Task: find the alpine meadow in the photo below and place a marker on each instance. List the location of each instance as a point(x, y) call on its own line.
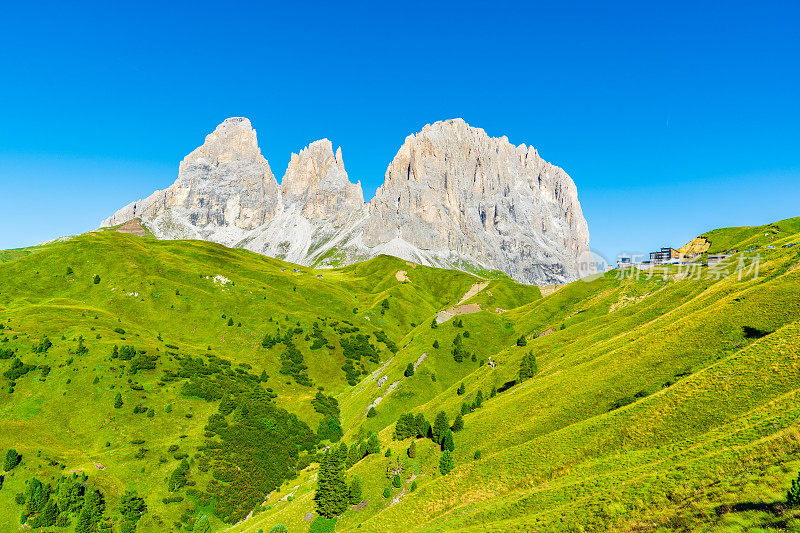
point(181, 385)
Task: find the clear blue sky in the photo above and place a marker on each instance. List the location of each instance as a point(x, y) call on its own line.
point(672, 118)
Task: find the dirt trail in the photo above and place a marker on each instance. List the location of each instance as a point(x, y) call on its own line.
point(461, 308)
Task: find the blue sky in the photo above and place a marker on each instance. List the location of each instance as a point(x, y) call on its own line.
point(672, 118)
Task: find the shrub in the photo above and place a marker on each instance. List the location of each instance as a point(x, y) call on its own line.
point(412, 450)
point(396, 481)
point(435, 343)
point(434, 324)
point(413, 486)
point(476, 455)
point(96, 279)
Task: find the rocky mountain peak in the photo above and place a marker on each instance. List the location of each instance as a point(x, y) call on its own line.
point(452, 197)
point(317, 182)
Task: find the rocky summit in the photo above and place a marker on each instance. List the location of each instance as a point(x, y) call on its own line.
point(452, 197)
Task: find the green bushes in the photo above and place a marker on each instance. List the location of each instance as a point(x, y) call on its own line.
point(793, 495)
point(118, 403)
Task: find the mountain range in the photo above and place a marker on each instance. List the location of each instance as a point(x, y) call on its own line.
point(453, 197)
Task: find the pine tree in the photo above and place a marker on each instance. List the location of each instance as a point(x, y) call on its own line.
point(385, 303)
point(522, 341)
point(118, 401)
point(332, 493)
point(412, 450)
point(458, 423)
point(479, 399)
point(440, 426)
point(355, 491)
point(230, 321)
point(446, 463)
point(353, 455)
point(493, 393)
point(388, 452)
point(396, 481)
point(373, 444)
point(280, 528)
point(12, 460)
point(461, 389)
point(387, 493)
point(527, 367)
point(793, 495)
point(202, 525)
point(413, 486)
point(409, 370)
point(434, 324)
point(372, 413)
point(447, 442)
point(96, 279)
point(69, 271)
point(436, 343)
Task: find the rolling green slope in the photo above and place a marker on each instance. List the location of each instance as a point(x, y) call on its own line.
point(664, 400)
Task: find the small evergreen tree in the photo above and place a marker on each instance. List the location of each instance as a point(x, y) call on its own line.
point(118, 401)
point(446, 463)
point(372, 413)
point(388, 452)
point(458, 423)
point(332, 493)
point(202, 525)
point(387, 493)
point(230, 321)
point(385, 303)
point(409, 370)
point(12, 460)
point(447, 442)
point(69, 271)
point(440, 426)
point(355, 491)
point(793, 495)
point(494, 392)
point(527, 367)
point(396, 481)
point(461, 389)
point(436, 343)
point(412, 450)
point(434, 324)
point(413, 486)
point(280, 528)
point(522, 341)
point(477, 455)
point(373, 444)
point(479, 399)
point(96, 279)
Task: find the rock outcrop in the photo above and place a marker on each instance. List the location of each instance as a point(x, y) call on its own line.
point(452, 197)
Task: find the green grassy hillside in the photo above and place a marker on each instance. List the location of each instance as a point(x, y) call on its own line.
point(211, 381)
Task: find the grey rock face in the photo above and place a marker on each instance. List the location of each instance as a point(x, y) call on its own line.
point(452, 197)
point(452, 187)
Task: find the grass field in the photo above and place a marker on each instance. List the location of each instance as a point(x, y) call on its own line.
point(665, 400)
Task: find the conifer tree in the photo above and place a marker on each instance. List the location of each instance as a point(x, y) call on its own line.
point(436, 343)
point(793, 495)
point(202, 525)
point(527, 367)
point(355, 491)
point(446, 463)
point(118, 403)
point(440, 426)
point(522, 341)
point(372, 413)
point(479, 399)
point(388, 452)
point(409, 370)
point(461, 389)
point(396, 481)
point(412, 450)
point(373, 444)
point(12, 460)
point(458, 423)
point(434, 324)
point(447, 442)
point(332, 493)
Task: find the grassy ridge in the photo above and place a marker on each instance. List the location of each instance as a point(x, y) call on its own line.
point(661, 401)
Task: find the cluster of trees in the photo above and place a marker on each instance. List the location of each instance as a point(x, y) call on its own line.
point(252, 447)
point(333, 494)
point(17, 369)
point(54, 506)
point(459, 352)
point(357, 348)
point(12, 460)
point(330, 426)
point(292, 362)
point(43, 345)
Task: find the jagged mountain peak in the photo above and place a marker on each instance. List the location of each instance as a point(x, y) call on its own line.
point(453, 196)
